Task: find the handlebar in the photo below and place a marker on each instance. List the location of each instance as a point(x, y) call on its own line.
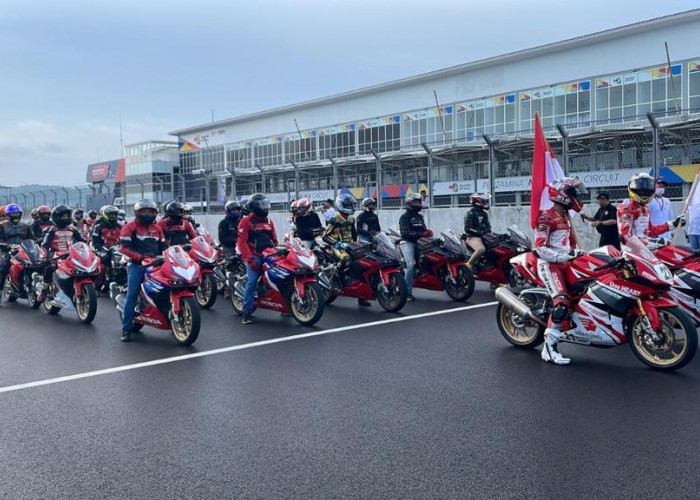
point(609, 265)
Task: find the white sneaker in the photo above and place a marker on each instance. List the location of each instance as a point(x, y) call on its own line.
point(550, 353)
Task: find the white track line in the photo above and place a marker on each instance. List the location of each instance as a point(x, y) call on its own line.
point(162, 361)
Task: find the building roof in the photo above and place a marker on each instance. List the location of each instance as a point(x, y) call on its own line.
point(549, 48)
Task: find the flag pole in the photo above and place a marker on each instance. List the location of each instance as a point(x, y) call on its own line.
point(685, 206)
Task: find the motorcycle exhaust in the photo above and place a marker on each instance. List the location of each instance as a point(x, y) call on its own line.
point(510, 301)
point(120, 300)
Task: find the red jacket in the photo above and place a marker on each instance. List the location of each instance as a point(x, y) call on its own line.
point(553, 236)
point(139, 241)
point(60, 239)
point(633, 220)
point(177, 233)
point(254, 236)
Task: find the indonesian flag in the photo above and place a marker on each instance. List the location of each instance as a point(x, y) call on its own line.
point(545, 170)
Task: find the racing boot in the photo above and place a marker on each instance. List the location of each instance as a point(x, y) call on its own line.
point(550, 352)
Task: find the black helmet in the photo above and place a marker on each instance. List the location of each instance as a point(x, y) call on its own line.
point(414, 201)
point(14, 213)
point(174, 210)
point(34, 213)
point(78, 213)
point(61, 216)
point(145, 212)
point(245, 209)
point(110, 213)
point(369, 204)
point(233, 208)
point(345, 203)
point(92, 214)
point(641, 188)
point(259, 205)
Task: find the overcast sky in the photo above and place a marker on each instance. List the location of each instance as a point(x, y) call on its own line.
point(70, 69)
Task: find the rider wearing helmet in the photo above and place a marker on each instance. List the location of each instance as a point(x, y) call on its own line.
point(633, 215)
point(244, 206)
point(80, 223)
point(34, 214)
point(91, 220)
point(12, 232)
point(228, 228)
point(42, 223)
point(367, 221)
point(412, 227)
point(2, 212)
point(555, 245)
point(187, 215)
point(121, 218)
point(308, 224)
point(140, 238)
point(256, 233)
point(476, 225)
point(176, 228)
point(57, 240)
point(291, 220)
point(106, 232)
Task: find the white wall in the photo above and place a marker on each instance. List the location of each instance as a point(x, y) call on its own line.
point(441, 219)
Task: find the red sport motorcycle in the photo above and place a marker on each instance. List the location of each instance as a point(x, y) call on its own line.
point(615, 300)
point(495, 267)
point(73, 285)
point(287, 284)
point(203, 253)
point(374, 273)
point(685, 266)
point(166, 298)
point(26, 259)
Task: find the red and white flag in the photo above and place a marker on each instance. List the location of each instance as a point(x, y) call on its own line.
point(545, 170)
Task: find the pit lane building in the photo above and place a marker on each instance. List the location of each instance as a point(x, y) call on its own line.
point(610, 102)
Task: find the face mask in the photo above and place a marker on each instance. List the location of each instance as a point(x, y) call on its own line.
point(234, 215)
point(416, 208)
point(659, 191)
point(146, 220)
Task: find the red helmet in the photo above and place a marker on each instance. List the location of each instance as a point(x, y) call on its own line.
point(304, 206)
point(567, 192)
point(479, 200)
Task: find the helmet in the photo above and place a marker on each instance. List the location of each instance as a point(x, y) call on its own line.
point(259, 205)
point(174, 210)
point(121, 216)
point(567, 192)
point(369, 204)
point(479, 200)
point(186, 209)
point(304, 206)
point(14, 213)
point(78, 214)
point(145, 212)
point(44, 212)
point(60, 215)
point(2, 211)
point(110, 213)
point(233, 209)
point(34, 213)
point(414, 201)
point(92, 214)
point(293, 206)
point(641, 188)
point(245, 210)
point(345, 203)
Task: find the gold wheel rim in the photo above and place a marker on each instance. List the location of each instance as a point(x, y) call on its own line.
point(672, 339)
point(507, 321)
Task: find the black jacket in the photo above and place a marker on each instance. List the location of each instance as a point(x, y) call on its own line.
point(367, 224)
point(411, 226)
point(305, 225)
point(14, 234)
point(476, 223)
point(228, 231)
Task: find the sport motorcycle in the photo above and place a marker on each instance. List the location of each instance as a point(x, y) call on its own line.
point(287, 284)
point(204, 254)
point(27, 259)
point(166, 297)
point(494, 267)
point(615, 300)
point(73, 284)
point(685, 266)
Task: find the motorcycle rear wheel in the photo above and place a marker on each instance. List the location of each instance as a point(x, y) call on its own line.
point(672, 353)
point(87, 308)
point(463, 287)
point(518, 331)
point(396, 293)
point(206, 291)
point(312, 312)
point(186, 330)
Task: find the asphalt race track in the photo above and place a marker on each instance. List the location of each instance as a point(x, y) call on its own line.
point(430, 406)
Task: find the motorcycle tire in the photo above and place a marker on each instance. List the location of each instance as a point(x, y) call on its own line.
point(31, 293)
point(649, 355)
point(187, 331)
point(328, 297)
point(397, 292)
point(511, 324)
point(310, 314)
point(88, 309)
point(463, 289)
point(206, 291)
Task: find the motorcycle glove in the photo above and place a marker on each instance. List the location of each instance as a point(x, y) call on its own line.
point(678, 221)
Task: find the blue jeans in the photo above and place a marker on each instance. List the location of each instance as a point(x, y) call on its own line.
point(694, 241)
point(251, 284)
point(134, 275)
point(408, 249)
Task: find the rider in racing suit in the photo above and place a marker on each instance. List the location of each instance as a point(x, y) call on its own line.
point(633, 215)
point(555, 246)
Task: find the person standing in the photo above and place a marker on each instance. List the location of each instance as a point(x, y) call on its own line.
point(327, 210)
point(605, 221)
point(660, 209)
point(425, 201)
point(694, 226)
point(412, 227)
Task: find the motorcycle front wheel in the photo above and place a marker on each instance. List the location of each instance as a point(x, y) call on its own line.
point(185, 327)
point(463, 286)
point(519, 331)
point(31, 292)
point(394, 297)
point(86, 306)
point(675, 346)
point(206, 291)
point(309, 310)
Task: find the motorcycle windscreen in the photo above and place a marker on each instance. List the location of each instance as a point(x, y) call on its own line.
point(385, 247)
point(32, 250)
point(453, 243)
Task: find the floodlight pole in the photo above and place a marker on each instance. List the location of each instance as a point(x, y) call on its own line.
point(378, 178)
point(565, 147)
point(296, 179)
point(492, 155)
point(430, 173)
point(655, 141)
point(335, 177)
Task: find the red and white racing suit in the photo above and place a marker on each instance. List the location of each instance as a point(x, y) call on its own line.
point(633, 220)
point(553, 244)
